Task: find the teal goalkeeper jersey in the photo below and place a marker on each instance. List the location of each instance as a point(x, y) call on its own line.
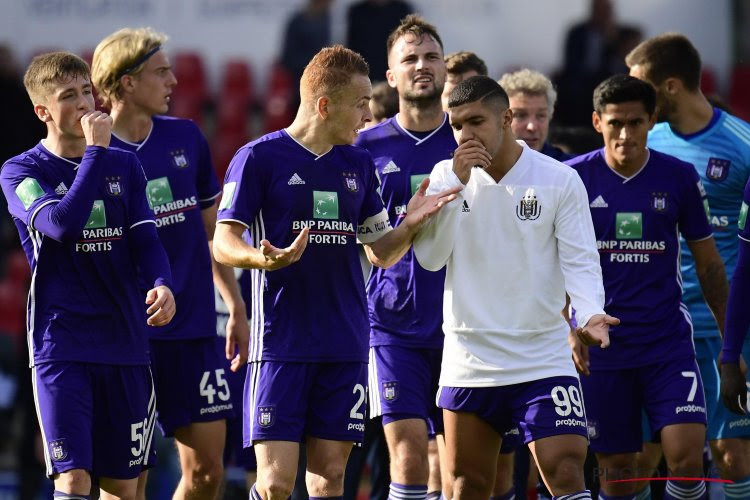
point(720, 154)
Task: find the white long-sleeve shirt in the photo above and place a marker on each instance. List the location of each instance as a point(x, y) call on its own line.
point(512, 250)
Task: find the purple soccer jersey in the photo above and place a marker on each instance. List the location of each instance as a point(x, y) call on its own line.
point(315, 309)
point(181, 182)
point(405, 301)
point(84, 302)
point(638, 222)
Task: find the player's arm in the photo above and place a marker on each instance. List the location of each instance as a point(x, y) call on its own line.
point(733, 389)
point(64, 220)
point(434, 243)
point(712, 277)
point(153, 266)
point(389, 248)
point(231, 250)
point(579, 263)
point(238, 330)
point(580, 351)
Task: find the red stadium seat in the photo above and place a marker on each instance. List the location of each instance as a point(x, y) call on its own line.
point(739, 92)
point(12, 308)
point(232, 115)
point(222, 150)
point(190, 97)
point(237, 80)
point(17, 269)
point(279, 105)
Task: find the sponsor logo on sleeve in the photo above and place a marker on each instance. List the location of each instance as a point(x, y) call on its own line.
point(227, 195)
point(28, 191)
point(743, 216)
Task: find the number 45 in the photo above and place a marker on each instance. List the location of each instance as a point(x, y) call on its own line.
point(207, 389)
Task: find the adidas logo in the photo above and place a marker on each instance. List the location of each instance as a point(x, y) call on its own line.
point(61, 189)
point(295, 180)
point(465, 207)
point(391, 168)
point(599, 202)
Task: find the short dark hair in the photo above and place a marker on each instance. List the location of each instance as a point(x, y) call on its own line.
point(477, 88)
point(669, 55)
point(414, 25)
point(623, 88)
point(463, 61)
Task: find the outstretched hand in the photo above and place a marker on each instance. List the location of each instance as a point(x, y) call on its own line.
point(422, 206)
point(277, 258)
point(596, 331)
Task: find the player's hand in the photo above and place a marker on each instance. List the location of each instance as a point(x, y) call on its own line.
point(596, 331)
point(421, 206)
point(276, 258)
point(468, 155)
point(733, 388)
point(580, 353)
point(238, 338)
point(162, 306)
point(97, 128)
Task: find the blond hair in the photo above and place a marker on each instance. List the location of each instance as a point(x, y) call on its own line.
point(528, 81)
point(329, 70)
point(123, 52)
point(47, 70)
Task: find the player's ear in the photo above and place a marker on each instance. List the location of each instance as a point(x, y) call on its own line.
point(42, 113)
point(596, 121)
point(127, 83)
point(390, 78)
point(672, 85)
point(322, 106)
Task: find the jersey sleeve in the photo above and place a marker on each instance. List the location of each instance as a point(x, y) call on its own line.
point(742, 225)
point(579, 258)
point(244, 185)
point(373, 222)
point(25, 190)
point(694, 215)
point(737, 317)
point(434, 243)
point(207, 185)
point(139, 211)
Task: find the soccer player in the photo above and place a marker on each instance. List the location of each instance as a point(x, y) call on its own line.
point(85, 225)
point(532, 100)
point(516, 239)
point(306, 189)
point(132, 73)
point(733, 384)
point(637, 197)
point(717, 144)
point(405, 300)
point(460, 66)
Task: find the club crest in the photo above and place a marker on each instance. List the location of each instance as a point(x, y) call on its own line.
point(717, 169)
point(351, 183)
point(390, 391)
point(114, 188)
point(266, 416)
point(528, 207)
point(58, 450)
point(659, 201)
point(179, 159)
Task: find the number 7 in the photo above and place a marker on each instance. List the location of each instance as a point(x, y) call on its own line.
point(693, 387)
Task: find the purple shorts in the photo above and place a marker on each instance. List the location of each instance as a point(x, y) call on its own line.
point(403, 384)
point(287, 401)
point(539, 408)
point(95, 417)
point(190, 377)
point(669, 393)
